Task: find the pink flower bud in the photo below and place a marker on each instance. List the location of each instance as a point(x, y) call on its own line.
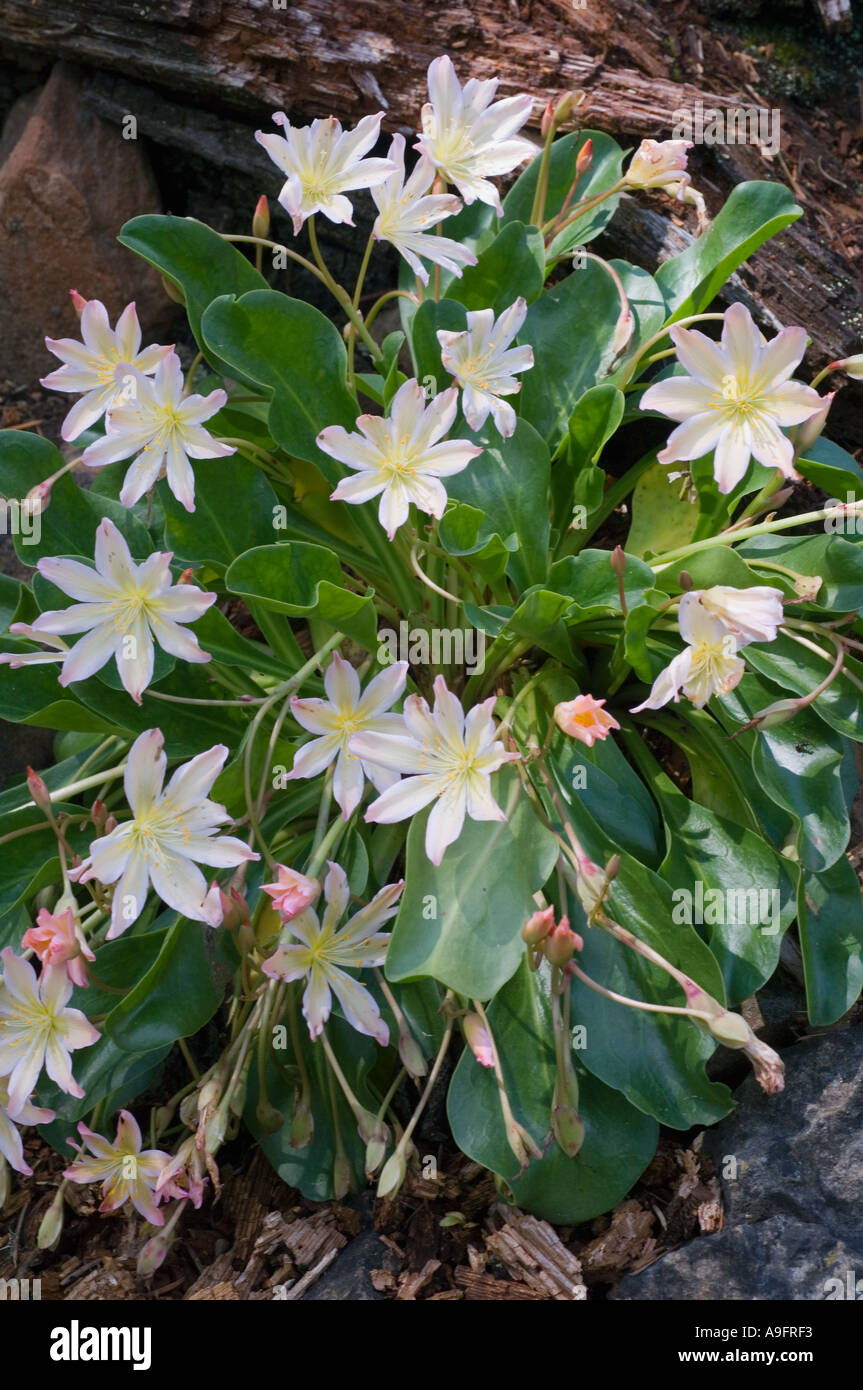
point(39, 496)
point(261, 218)
point(538, 926)
point(78, 301)
point(561, 944)
point(292, 892)
point(38, 791)
point(478, 1040)
point(57, 940)
point(584, 159)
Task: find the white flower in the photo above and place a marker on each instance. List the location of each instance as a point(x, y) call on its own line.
point(406, 211)
point(735, 398)
point(123, 608)
point(323, 163)
point(127, 1172)
point(15, 659)
point(708, 665)
point(484, 364)
point(401, 457)
point(336, 719)
point(99, 365)
point(752, 615)
point(466, 137)
point(449, 757)
point(323, 955)
point(171, 832)
point(658, 164)
point(11, 1147)
point(163, 429)
point(37, 1029)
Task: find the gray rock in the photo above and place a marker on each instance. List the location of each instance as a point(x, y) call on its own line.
point(791, 1169)
point(348, 1277)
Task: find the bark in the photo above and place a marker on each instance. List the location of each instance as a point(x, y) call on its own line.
point(223, 65)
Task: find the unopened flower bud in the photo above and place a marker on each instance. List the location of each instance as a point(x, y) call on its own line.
point(851, 366)
point(51, 1225)
point(302, 1124)
point(805, 435)
point(547, 122)
point(292, 892)
point(776, 713)
point(189, 1109)
point(584, 159)
point(617, 560)
point(410, 1053)
point(560, 945)
point(685, 580)
point(478, 1040)
point(38, 497)
point(111, 823)
point(392, 1175)
point(261, 218)
point(538, 926)
point(268, 1117)
point(376, 1150)
point(567, 1127)
point(153, 1255)
point(78, 301)
point(38, 791)
point(173, 291)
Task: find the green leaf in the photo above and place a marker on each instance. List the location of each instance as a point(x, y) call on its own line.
point(513, 265)
point(752, 213)
point(570, 328)
point(799, 670)
point(293, 352)
point(461, 922)
point(31, 695)
point(830, 923)
point(67, 525)
point(619, 1141)
point(30, 862)
point(311, 1168)
point(662, 519)
point(234, 510)
point(837, 561)
point(591, 424)
point(834, 471)
point(304, 581)
point(799, 765)
point(179, 993)
point(508, 484)
point(197, 260)
point(105, 1073)
point(589, 580)
point(657, 1060)
point(604, 171)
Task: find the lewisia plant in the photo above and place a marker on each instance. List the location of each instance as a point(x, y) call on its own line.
point(317, 884)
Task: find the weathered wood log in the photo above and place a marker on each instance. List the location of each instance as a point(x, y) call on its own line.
point(221, 65)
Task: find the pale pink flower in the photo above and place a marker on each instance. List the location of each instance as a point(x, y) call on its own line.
point(172, 831)
point(100, 365)
point(467, 135)
point(735, 399)
point(585, 719)
point(323, 163)
point(163, 429)
point(708, 665)
point(123, 610)
point(127, 1172)
point(324, 953)
point(401, 457)
point(336, 719)
point(37, 1029)
point(407, 212)
point(484, 365)
point(752, 615)
point(292, 892)
point(11, 1147)
point(658, 164)
point(449, 758)
point(58, 940)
